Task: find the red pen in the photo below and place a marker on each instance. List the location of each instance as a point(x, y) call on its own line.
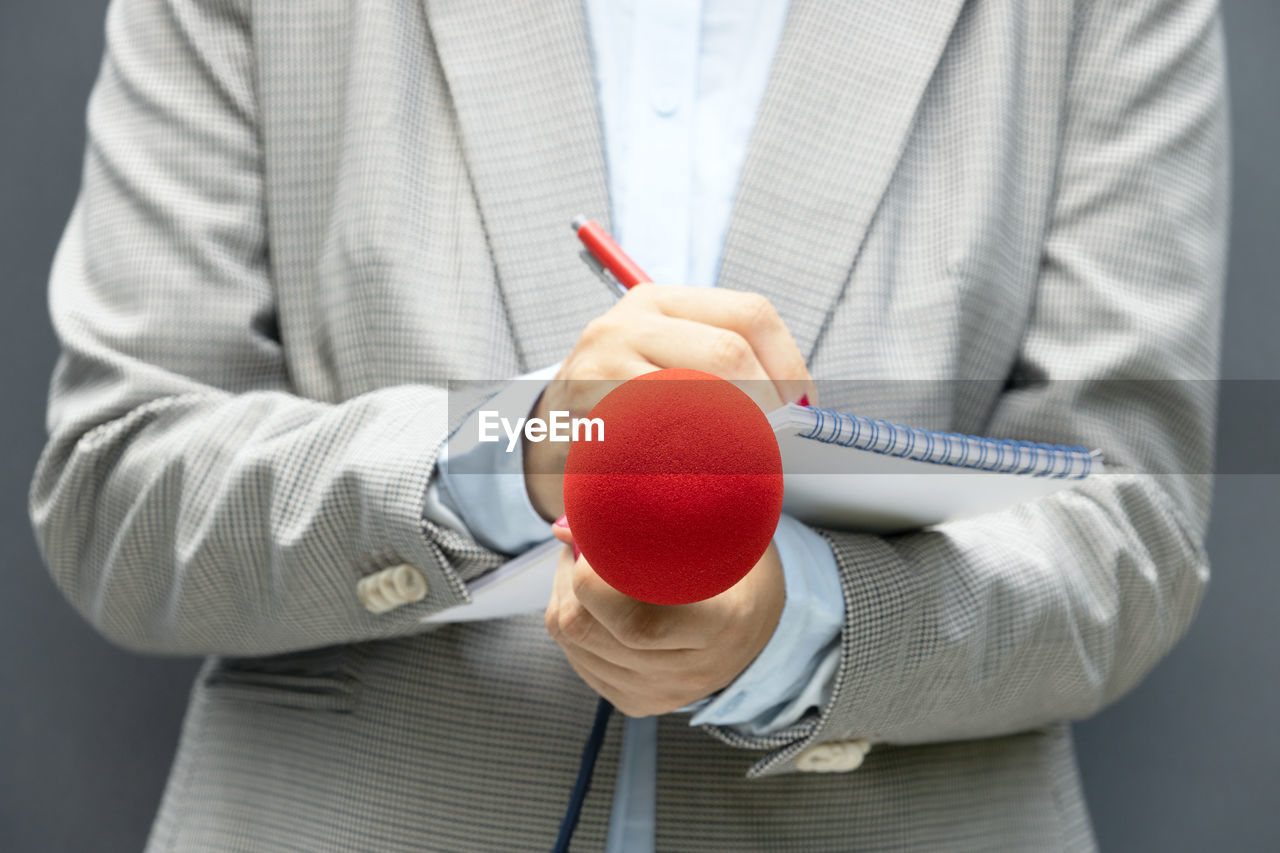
point(608, 253)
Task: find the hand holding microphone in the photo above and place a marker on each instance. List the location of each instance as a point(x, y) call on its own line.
point(678, 587)
point(651, 659)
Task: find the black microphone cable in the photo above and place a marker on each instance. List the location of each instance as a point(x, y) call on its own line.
point(590, 752)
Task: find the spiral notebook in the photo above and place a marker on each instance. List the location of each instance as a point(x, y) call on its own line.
point(856, 473)
point(846, 472)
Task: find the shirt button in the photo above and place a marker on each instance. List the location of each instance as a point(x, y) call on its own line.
point(665, 102)
point(839, 756)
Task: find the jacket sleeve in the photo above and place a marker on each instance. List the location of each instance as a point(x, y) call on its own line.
point(1049, 610)
point(187, 500)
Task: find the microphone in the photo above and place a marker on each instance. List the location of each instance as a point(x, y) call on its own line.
point(682, 496)
point(675, 504)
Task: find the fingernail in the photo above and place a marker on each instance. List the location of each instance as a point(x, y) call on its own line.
point(804, 400)
point(562, 521)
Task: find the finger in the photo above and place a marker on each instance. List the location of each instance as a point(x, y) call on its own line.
point(601, 687)
point(640, 625)
point(585, 379)
point(608, 681)
point(636, 693)
point(576, 626)
point(676, 342)
point(551, 618)
point(750, 315)
point(573, 625)
point(618, 686)
point(661, 664)
point(614, 676)
point(595, 367)
point(580, 629)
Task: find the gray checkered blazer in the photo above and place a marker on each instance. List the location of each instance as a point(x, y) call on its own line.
point(300, 220)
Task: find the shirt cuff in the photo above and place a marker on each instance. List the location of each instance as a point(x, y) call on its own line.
point(794, 671)
point(482, 484)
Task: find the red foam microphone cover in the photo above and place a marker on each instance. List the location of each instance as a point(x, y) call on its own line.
point(682, 497)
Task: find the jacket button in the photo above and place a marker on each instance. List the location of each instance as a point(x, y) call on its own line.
point(409, 583)
point(371, 596)
point(392, 587)
point(838, 756)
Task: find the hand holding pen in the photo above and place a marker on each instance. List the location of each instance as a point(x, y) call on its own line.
point(727, 333)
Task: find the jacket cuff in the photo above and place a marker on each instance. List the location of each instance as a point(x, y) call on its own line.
point(868, 566)
point(794, 671)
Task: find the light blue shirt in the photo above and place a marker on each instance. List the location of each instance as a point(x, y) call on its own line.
point(679, 84)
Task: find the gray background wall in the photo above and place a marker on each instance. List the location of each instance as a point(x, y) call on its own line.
point(1189, 761)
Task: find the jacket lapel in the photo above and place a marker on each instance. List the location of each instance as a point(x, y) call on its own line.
point(839, 105)
point(522, 82)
